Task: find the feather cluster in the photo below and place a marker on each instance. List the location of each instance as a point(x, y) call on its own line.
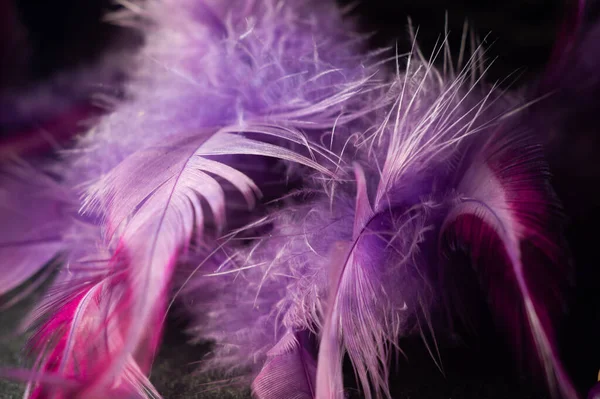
point(299, 196)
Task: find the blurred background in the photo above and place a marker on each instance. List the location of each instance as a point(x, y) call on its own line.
point(40, 39)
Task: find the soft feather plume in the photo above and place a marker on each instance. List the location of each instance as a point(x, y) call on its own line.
point(147, 197)
point(458, 130)
point(281, 283)
point(235, 98)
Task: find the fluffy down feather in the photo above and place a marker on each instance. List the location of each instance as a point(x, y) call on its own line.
point(234, 98)
point(357, 277)
point(211, 81)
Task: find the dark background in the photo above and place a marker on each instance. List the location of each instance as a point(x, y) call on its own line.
point(59, 34)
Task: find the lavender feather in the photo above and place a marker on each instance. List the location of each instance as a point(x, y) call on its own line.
point(225, 94)
point(412, 192)
point(143, 196)
point(33, 209)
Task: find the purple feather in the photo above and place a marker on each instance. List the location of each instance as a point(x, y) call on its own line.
point(289, 371)
point(505, 215)
point(33, 209)
point(207, 74)
point(232, 99)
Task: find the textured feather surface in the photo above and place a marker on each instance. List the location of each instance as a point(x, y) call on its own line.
point(430, 134)
point(282, 282)
point(208, 73)
point(249, 298)
point(233, 98)
point(370, 290)
point(289, 371)
point(77, 353)
point(506, 217)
